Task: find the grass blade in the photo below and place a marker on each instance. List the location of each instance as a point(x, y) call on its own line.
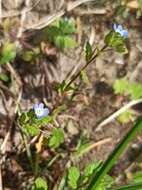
point(96, 179)
point(133, 186)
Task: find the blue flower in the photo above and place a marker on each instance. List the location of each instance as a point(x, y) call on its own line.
point(120, 30)
point(40, 111)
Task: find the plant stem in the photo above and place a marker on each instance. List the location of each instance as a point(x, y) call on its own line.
point(37, 156)
point(36, 167)
point(27, 146)
point(85, 66)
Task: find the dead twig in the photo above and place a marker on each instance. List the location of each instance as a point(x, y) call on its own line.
point(23, 18)
point(99, 143)
point(3, 100)
point(15, 75)
point(17, 13)
point(92, 146)
point(2, 147)
point(73, 5)
point(83, 11)
point(4, 88)
point(117, 113)
point(50, 18)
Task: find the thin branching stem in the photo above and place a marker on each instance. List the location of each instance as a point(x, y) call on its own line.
point(27, 146)
point(85, 66)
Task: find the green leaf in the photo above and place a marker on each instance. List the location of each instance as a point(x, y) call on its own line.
point(137, 177)
point(69, 42)
point(84, 77)
point(59, 34)
point(43, 121)
point(125, 117)
point(67, 26)
point(120, 86)
point(73, 177)
point(40, 184)
point(28, 56)
point(4, 77)
point(122, 49)
point(135, 91)
point(63, 183)
point(52, 33)
point(113, 39)
point(31, 114)
point(63, 42)
point(59, 42)
point(108, 181)
point(23, 118)
point(92, 167)
point(88, 51)
point(105, 183)
point(57, 138)
point(56, 22)
point(8, 53)
point(32, 130)
point(114, 156)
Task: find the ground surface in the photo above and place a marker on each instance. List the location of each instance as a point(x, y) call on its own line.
point(96, 102)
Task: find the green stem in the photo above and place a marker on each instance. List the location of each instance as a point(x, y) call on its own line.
point(85, 66)
point(27, 146)
point(53, 160)
point(36, 168)
point(96, 179)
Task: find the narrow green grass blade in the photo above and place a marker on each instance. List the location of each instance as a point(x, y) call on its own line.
point(133, 186)
point(63, 183)
point(96, 179)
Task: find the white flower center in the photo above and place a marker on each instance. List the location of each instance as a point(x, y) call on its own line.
point(39, 111)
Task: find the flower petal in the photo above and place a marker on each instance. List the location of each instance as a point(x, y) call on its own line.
point(120, 27)
point(41, 105)
point(46, 112)
point(39, 116)
point(114, 27)
point(35, 106)
point(121, 33)
point(125, 33)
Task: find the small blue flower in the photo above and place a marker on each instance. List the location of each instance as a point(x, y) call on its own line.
point(40, 111)
point(120, 30)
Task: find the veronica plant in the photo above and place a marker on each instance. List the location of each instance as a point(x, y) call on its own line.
point(39, 121)
point(114, 39)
